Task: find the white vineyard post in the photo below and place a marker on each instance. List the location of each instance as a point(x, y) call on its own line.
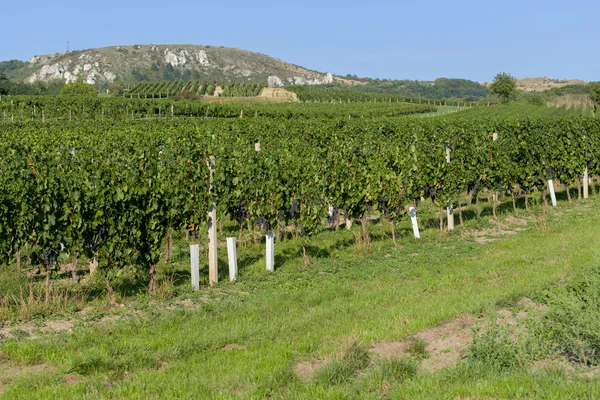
point(232, 257)
point(413, 219)
point(213, 276)
point(270, 252)
point(552, 193)
point(586, 182)
point(172, 110)
point(449, 208)
point(195, 265)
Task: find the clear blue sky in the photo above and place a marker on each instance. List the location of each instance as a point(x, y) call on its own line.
point(381, 39)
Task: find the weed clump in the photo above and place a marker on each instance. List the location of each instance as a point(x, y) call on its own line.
point(573, 319)
point(417, 348)
point(343, 368)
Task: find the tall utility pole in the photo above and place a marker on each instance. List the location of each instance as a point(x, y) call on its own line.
point(67, 46)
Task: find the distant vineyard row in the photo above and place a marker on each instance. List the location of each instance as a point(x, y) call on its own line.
point(43, 108)
point(336, 94)
point(166, 89)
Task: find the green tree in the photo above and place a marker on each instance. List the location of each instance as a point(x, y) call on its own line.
point(595, 94)
point(504, 86)
point(6, 85)
point(117, 88)
point(79, 89)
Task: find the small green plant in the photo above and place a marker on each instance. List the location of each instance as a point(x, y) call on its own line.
point(343, 368)
point(394, 370)
point(417, 348)
point(495, 349)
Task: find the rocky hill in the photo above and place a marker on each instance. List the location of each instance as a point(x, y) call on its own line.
point(160, 62)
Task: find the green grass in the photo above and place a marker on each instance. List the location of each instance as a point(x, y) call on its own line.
point(332, 309)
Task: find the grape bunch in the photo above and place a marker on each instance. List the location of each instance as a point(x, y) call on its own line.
point(294, 208)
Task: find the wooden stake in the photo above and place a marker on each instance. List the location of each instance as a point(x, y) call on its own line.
point(586, 182)
point(348, 222)
point(365, 231)
point(74, 276)
point(213, 276)
point(441, 219)
point(93, 266)
point(169, 246)
point(305, 256)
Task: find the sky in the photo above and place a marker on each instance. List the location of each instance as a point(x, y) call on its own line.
point(421, 40)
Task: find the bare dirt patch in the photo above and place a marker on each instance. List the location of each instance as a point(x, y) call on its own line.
point(279, 94)
point(233, 346)
point(32, 330)
point(72, 379)
point(497, 228)
point(445, 344)
point(306, 370)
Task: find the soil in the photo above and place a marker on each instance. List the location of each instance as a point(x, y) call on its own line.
point(31, 330)
point(445, 344)
point(307, 369)
point(233, 346)
point(497, 229)
point(279, 94)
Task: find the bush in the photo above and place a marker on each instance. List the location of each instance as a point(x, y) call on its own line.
point(79, 89)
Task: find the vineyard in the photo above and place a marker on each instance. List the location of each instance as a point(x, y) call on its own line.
point(103, 201)
point(114, 190)
point(337, 95)
point(166, 89)
point(47, 108)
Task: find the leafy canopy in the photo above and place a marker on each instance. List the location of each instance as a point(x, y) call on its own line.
point(504, 86)
point(79, 89)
